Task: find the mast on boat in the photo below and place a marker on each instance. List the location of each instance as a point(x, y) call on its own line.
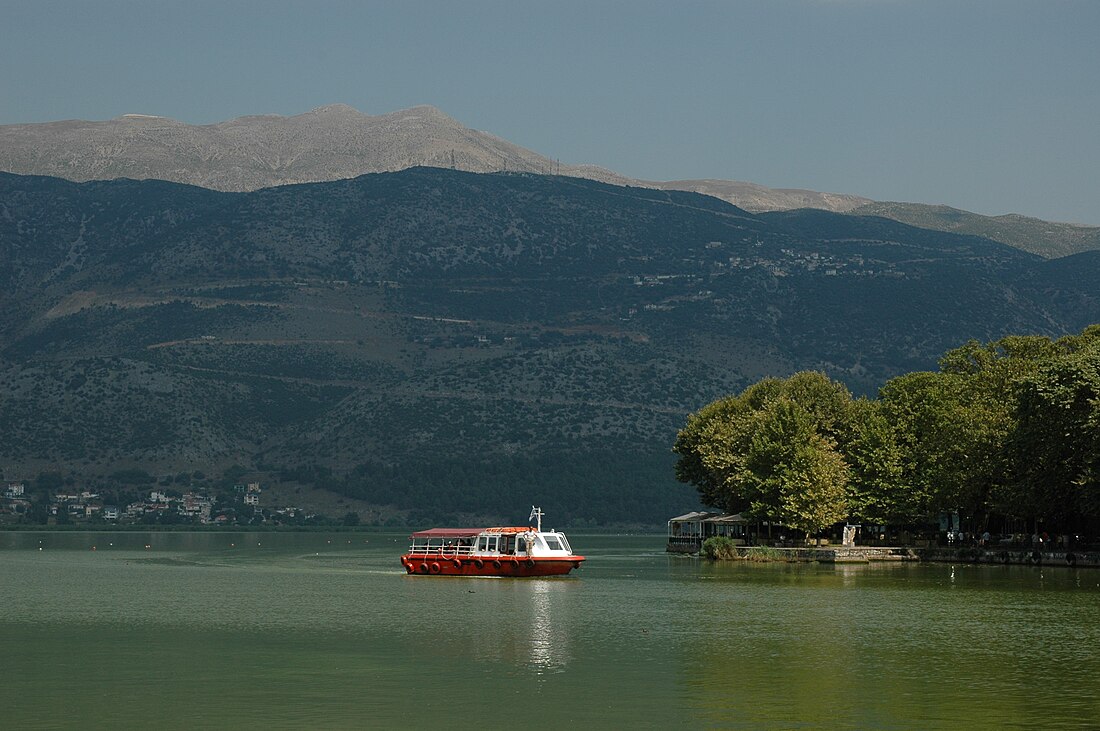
point(536, 514)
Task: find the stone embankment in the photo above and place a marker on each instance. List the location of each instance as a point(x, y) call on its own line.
point(1016, 555)
point(873, 554)
point(823, 554)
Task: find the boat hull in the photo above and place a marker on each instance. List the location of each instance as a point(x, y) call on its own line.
point(429, 565)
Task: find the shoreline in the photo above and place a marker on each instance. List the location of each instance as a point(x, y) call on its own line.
point(1068, 558)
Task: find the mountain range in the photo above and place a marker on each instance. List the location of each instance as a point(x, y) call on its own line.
point(440, 340)
point(337, 142)
point(333, 142)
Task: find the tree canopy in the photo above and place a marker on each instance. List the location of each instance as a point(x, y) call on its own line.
point(1009, 428)
point(772, 452)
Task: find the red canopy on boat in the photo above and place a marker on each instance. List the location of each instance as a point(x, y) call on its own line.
point(447, 533)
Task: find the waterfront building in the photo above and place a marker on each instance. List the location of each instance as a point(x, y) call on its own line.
point(687, 532)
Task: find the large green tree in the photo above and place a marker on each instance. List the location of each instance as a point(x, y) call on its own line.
point(953, 426)
point(877, 490)
point(1056, 446)
point(793, 473)
point(772, 452)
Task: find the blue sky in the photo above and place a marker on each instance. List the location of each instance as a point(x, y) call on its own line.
point(988, 105)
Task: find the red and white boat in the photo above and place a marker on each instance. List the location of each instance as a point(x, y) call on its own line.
point(500, 551)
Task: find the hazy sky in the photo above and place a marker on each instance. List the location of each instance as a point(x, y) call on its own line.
point(988, 105)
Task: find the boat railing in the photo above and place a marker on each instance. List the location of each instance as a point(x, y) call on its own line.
point(442, 551)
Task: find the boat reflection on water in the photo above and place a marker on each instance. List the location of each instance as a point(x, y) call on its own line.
point(531, 630)
point(549, 650)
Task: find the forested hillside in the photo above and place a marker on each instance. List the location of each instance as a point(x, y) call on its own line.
point(448, 342)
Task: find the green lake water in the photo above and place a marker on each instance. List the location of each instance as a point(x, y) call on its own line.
point(309, 630)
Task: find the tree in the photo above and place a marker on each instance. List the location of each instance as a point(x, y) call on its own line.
point(48, 481)
point(953, 427)
point(877, 490)
point(39, 512)
point(1056, 444)
point(351, 519)
point(233, 474)
point(1002, 359)
point(1009, 427)
point(932, 426)
point(712, 450)
point(771, 452)
point(793, 474)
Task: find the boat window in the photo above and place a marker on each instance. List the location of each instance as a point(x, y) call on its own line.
point(553, 543)
point(483, 544)
point(565, 543)
point(521, 545)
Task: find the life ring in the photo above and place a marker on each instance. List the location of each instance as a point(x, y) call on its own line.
point(530, 562)
point(435, 568)
point(1036, 557)
point(423, 568)
point(457, 563)
point(496, 563)
point(479, 563)
point(1071, 559)
point(576, 564)
point(409, 568)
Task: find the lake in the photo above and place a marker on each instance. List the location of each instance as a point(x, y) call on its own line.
point(312, 630)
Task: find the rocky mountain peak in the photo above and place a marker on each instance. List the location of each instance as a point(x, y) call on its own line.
point(331, 142)
point(337, 109)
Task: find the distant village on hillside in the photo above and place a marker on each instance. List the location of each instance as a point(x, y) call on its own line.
point(241, 507)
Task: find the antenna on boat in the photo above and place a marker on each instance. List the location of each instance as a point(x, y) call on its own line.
point(536, 514)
